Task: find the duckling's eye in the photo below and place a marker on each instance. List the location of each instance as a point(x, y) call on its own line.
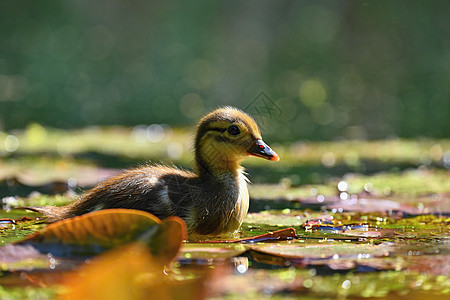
point(233, 130)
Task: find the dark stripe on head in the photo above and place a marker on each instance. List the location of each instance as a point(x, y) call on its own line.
point(201, 131)
point(216, 129)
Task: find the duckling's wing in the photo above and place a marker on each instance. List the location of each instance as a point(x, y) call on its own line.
point(145, 189)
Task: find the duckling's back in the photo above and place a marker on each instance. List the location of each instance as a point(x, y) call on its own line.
point(144, 188)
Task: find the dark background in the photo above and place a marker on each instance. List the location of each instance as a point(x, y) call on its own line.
point(334, 69)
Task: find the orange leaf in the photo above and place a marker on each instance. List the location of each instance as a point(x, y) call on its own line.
point(128, 272)
point(97, 231)
point(168, 239)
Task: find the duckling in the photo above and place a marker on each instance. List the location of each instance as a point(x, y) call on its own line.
point(212, 200)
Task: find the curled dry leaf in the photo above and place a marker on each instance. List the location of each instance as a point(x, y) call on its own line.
point(98, 231)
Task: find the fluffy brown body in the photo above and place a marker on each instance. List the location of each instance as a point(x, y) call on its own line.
point(213, 200)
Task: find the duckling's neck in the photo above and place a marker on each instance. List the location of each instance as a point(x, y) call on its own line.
point(224, 202)
point(217, 166)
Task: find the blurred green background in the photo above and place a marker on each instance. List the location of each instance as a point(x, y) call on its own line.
point(332, 69)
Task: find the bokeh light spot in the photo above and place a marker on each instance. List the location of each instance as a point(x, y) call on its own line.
point(11, 143)
point(312, 93)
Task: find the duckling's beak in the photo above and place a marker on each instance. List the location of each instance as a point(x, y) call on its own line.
point(261, 149)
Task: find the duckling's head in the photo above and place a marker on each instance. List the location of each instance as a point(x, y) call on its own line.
point(225, 137)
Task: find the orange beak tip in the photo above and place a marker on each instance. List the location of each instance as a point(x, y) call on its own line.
point(261, 149)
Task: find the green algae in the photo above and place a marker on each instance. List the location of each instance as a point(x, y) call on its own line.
point(27, 292)
point(19, 230)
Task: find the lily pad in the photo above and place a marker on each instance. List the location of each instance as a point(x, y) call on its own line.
point(286, 217)
point(213, 251)
point(299, 250)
